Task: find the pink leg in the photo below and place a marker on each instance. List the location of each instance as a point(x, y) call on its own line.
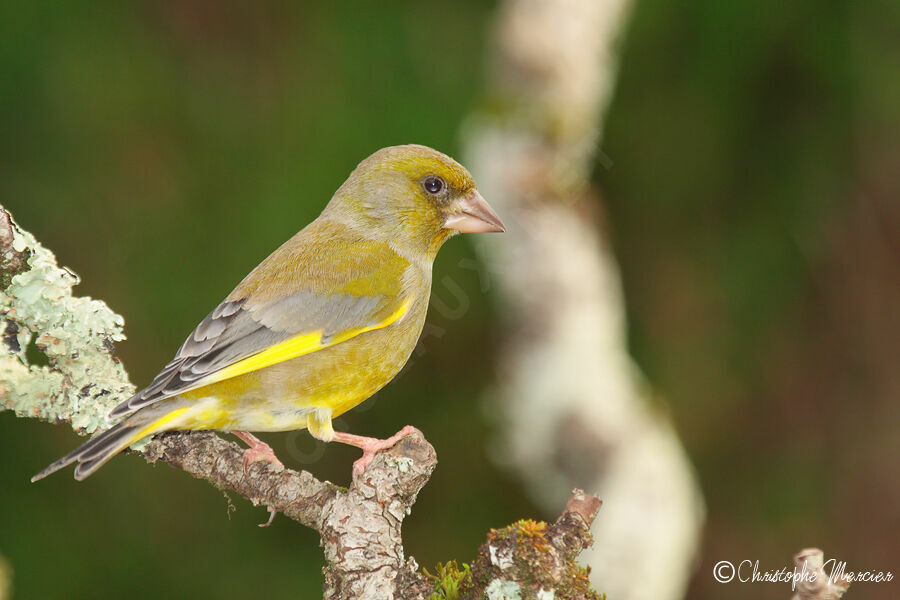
point(371, 446)
point(258, 450)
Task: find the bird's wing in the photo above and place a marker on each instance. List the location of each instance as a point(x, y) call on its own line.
point(328, 304)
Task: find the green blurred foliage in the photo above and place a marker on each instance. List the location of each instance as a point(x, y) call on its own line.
point(162, 149)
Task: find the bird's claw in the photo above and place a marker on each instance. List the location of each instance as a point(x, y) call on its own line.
point(372, 446)
point(272, 513)
point(258, 451)
point(253, 455)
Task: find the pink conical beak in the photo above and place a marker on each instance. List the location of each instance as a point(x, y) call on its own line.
point(473, 215)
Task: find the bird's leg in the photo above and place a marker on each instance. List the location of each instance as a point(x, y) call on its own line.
point(371, 446)
point(258, 450)
point(319, 425)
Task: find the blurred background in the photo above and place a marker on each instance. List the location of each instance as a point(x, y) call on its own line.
point(749, 188)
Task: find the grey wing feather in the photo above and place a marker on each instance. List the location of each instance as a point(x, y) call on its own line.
point(233, 332)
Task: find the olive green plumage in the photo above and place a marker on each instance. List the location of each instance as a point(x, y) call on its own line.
point(320, 325)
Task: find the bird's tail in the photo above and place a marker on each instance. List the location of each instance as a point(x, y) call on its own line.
point(94, 453)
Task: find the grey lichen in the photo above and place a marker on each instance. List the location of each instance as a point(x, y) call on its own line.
point(81, 380)
point(503, 590)
point(404, 464)
point(501, 558)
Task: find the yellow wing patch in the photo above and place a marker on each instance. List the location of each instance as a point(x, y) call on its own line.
point(299, 345)
point(157, 425)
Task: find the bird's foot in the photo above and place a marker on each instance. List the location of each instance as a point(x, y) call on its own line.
point(371, 446)
point(258, 450)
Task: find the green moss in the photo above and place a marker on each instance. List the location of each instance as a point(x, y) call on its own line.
point(448, 578)
point(577, 584)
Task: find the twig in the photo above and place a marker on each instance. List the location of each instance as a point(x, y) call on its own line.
point(816, 584)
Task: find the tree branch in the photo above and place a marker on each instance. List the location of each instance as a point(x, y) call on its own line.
point(533, 558)
point(817, 584)
point(359, 527)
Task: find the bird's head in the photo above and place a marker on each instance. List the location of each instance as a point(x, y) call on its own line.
point(414, 196)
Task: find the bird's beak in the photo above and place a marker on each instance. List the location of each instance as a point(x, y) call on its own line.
point(473, 215)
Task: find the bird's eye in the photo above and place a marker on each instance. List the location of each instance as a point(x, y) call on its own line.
point(433, 185)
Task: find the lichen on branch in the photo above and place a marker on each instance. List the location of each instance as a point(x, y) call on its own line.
point(78, 378)
point(533, 560)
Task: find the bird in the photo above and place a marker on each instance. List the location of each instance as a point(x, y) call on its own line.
point(320, 325)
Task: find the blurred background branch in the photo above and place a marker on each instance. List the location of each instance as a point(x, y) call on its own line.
point(572, 408)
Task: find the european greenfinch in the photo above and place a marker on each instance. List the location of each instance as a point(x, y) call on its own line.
point(320, 325)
